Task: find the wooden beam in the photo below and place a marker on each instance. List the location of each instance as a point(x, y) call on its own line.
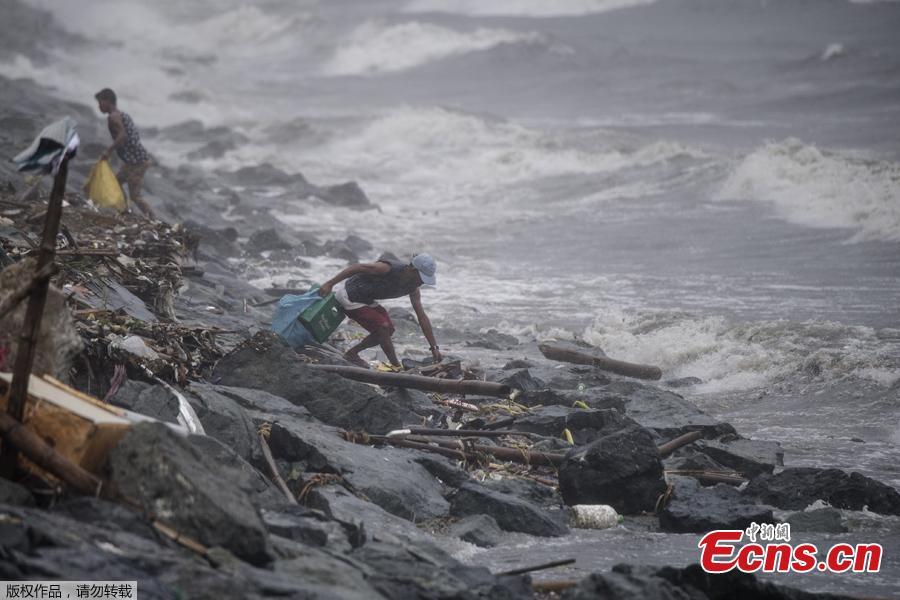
point(601, 362)
point(419, 382)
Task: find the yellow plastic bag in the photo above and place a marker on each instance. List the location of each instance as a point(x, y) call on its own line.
point(103, 188)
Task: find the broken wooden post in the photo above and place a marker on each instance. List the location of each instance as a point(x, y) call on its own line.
point(457, 432)
point(541, 567)
point(682, 440)
point(419, 382)
point(18, 390)
point(9, 303)
point(525, 457)
point(273, 468)
point(601, 362)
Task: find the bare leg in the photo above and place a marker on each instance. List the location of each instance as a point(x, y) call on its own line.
point(379, 337)
point(133, 175)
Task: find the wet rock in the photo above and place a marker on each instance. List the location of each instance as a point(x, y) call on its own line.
point(267, 363)
point(688, 459)
point(584, 425)
point(267, 239)
point(340, 249)
point(224, 419)
point(517, 363)
point(222, 243)
point(627, 582)
point(481, 530)
point(693, 508)
point(443, 469)
point(348, 195)
point(545, 397)
point(797, 488)
point(527, 489)
point(748, 457)
point(493, 340)
point(264, 175)
point(522, 380)
point(414, 401)
point(14, 494)
point(308, 526)
point(510, 512)
point(151, 400)
point(824, 520)
point(187, 489)
point(357, 244)
point(683, 382)
point(666, 413)
point(577, 378)
point(621, 469)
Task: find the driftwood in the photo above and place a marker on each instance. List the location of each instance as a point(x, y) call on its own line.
point(710, 477)
point(541, 567)
point(419, 382)
point(457, 432)
point(682, 440)
point(273, 469)
point(20, 293)
point(601, 362)
point(525, 457)
point(40, 453)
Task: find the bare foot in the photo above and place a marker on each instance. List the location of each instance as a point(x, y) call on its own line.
point(356, 360)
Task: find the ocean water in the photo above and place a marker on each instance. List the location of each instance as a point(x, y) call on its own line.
point(708, 185)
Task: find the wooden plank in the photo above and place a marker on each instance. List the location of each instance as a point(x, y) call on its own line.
point(604, 363)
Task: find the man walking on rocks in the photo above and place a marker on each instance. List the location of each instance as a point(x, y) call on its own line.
point(359, 287)
point(127, 144)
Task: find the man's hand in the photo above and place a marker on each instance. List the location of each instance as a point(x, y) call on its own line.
point(104, 156)
point(436, 354)
point(325, 289)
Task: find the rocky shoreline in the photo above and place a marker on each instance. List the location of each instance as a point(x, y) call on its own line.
point(368, 519)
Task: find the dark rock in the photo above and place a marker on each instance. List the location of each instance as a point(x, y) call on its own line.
point(187, 489)
point(528, 489)
point(357, 244)
point(348, 194)
point(493, 340)
point(667, 413)
point(749, 457)
point(584, 425)
point(578, 378)
point(443, 469)
point(825, 520)
point(522, 380)
point(481, 530)
point(688, 459)
point(797, 488)
point(222, 242)
point(14, 494)
point(151, 400)
point(693, 508)
point(311, 527)
point(621, 469)
point(267, 363)
point(340, 249)
point(267, 239)
point(517, 363)
point(510, 512)
point(265, 175)
point(545, 397)
point(627, 582)
point(224, 419)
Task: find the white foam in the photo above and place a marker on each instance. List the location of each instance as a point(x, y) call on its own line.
point(522, 8)
point(815, 188)
point(376, 47)
point(730, 357)
point(832, 51)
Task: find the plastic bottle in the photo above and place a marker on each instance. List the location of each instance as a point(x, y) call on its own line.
point(594, 516)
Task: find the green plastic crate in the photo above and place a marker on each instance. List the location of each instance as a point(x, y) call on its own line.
point(322, 318)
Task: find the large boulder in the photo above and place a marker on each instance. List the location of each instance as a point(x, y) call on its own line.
point(225, 420)
point(696, 509)
point(584, 425)
point(188, 490)
point(666, 413)
point(510, 512)
point(147, 399)
point(621, 469)
point(267, 363)
point(481, 530)
point(797, 488)
point(749, 457)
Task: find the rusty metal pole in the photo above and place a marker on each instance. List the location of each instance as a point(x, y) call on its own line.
point(18, 389)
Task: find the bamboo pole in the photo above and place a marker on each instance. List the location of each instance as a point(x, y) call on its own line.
point(458, 432)
point(619, 367)
point(18, 389)
point(682, 440)
point(20, 293)
point(419, 382)
point(541, 567)
point(511, 454)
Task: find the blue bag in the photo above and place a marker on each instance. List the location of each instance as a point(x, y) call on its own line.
point(285, 322)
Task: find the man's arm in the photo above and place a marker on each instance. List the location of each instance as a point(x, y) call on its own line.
point(116, 124)
point(425, 323)
point(376, 268)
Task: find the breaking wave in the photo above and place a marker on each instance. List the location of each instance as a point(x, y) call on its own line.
point(816, 188)
point(375, 47)
point(730, 357)
point(522, 8)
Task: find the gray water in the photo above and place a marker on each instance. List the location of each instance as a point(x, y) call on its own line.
point(710, 186)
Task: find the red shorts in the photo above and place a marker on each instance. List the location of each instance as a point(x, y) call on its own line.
point(371, 317)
